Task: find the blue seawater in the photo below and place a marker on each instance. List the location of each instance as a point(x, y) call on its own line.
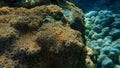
point(88, 5)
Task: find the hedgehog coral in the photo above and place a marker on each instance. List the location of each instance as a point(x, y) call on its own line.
point(59, 35)
point(74, 15)
point(8, 35)
point(35, 43)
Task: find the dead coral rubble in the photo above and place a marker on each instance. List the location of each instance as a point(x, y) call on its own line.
point(38, 42)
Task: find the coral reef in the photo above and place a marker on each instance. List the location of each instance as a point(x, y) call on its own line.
point(86, 5)
point(103, 35)
point(73, 14)
point(8, 35)
point(41, 37)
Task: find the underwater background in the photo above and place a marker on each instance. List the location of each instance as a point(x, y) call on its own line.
point(102, 22)
point(59, 33)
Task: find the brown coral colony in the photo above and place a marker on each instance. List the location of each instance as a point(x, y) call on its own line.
point(27, 40)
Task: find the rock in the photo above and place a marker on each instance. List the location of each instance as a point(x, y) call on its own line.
point(107, 63)
point(119, 59)
point(103, 36)
point(117, 46)
point(115, 24)
point(101, 58)
point(107, 41)
point(105, 31)
point(90, 14)
point(97, 28)
point(90, 34)
point(105, 50)
point(100, 41)
point(115, 33)
point(114, 55)
point(108, 38)
point(117, 66)
point(117, 17)
point(106, 21)
point(116, 51)
point(95, 36)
